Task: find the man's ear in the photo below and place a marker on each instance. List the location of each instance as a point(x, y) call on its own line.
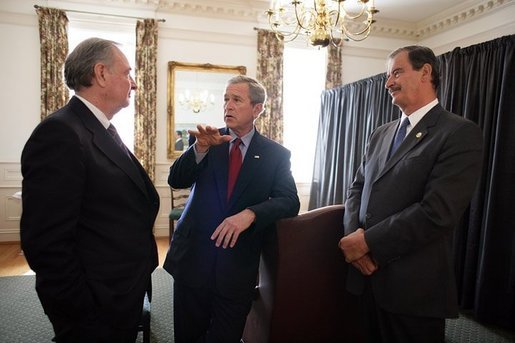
point(427, 72)
point(99, 74)
point(258, 108)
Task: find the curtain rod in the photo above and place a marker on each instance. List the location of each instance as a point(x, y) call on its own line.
point(103, 14)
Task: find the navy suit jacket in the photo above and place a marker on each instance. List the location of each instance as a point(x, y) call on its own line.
point(88, 215)
point(409, 206)
point(265, 185)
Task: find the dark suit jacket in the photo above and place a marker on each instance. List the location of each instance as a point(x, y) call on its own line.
point(88, 214)
point(409, 206)
point(265, 185)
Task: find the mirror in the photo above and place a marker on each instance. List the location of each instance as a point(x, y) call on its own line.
point(195, 96)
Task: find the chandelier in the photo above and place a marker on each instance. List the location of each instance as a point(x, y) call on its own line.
point(196, 101)
point(324, 22)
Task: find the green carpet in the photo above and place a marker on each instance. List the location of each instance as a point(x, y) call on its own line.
point(22, 319)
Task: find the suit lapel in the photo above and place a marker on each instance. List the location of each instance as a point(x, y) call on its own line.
point(220, 160)
point(416, 135)
point(106, 144)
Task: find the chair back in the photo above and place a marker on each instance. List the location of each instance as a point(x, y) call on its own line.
point(179, 197)
point(301, 291)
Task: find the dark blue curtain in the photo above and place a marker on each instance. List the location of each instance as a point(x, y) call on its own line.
point(478, 83)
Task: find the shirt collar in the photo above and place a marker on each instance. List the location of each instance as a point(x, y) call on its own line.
point(98, 113)
point(416, 116)
point(245, 139)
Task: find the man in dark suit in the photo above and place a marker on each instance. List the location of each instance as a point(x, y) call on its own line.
point(88, 206)
point(404, 204)
point(179, 142)
point(214, 253)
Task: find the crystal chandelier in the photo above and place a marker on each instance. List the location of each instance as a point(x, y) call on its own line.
point(197, 101)
point(324, 22)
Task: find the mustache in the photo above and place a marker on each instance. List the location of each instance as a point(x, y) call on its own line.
point(394, 89)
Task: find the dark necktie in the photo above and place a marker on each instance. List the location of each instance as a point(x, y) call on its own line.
point(399, 136)
point(235, 161)
point(112, 130)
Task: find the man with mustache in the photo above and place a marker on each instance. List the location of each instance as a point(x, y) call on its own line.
point(215, 250)
point(417, 178)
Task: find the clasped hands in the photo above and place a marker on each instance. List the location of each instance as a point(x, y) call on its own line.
point(356, 252)
point(207, 136)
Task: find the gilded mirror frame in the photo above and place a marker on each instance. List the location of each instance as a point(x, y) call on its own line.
point(173, 67)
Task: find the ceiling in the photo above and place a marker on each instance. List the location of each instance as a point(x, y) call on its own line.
point(396, 18)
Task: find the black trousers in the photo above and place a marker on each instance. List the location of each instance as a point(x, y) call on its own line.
point(385, 327)
point(84, 331)
point(203, 315)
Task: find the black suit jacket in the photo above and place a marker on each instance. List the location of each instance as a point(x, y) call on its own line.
point(409, 206)
point(265, 185)
point(88, 215)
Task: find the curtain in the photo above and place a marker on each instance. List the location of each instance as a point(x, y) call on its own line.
point(478, 82)
point(270, 74)
point(348, 115)
point(145, 101)
point(53, 37)
point(333, 77)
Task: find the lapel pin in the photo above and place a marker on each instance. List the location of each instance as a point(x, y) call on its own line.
point(418, 135)
point(256, 156)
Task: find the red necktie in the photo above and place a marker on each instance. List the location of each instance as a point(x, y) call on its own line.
point(234, 166)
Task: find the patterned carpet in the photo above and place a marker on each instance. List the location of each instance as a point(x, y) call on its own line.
point(22, 319)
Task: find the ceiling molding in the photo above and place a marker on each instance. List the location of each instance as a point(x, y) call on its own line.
point(253, 11)
point(439, 23)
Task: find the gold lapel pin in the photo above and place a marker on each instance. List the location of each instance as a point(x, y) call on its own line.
point(418, 135)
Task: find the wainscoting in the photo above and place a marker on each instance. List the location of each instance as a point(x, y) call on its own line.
point(10, 206)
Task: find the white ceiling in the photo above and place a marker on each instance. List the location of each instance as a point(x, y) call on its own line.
point(413, 19)
point(415, 10)
point(412, 11)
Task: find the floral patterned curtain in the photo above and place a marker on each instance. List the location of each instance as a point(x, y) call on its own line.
point(53, 37)
point(333, 76)
point(270, 74)
point(145, 111)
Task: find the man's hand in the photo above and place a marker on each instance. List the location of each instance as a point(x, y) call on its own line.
point(208, 136)
point(365, 265)
point(227, 233)
point(354, 245)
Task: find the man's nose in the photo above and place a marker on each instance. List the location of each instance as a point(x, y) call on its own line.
point(133, 83)
point(389, 81)
point(229, 104)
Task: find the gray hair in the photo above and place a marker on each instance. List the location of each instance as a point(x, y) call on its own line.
point(80, 63)
point(257, 92)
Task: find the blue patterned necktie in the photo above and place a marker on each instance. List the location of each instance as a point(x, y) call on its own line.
point(399, 136)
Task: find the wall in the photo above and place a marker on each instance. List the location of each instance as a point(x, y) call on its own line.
point(181, 38)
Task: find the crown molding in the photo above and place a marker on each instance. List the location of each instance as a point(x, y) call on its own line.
point(253, 11)
point(445, 21)
point(441, 22)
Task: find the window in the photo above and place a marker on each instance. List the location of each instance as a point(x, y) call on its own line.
point(304, 81)
point(77, 32)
